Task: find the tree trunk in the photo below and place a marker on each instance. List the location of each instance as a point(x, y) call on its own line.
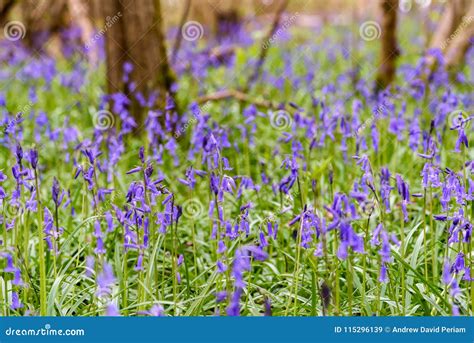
point(451, 17)
point(263, 49)
point(224, 18)
point(461, 41)
point(5, 7)
point(179, 36)
point(389, 51)
point(137, 38)
point(42, 19)
point(115, 46)
point(79, 11)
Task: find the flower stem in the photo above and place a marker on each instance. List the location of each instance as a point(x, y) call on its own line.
point(402, 255)
point(349, 283)
point(42, 264)
point(425, 248)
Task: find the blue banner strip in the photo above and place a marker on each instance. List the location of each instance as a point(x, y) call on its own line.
point(228, 329)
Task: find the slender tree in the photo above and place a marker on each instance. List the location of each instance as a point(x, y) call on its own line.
point(263, 50)
point(137, 38)
point(41, 18)
point(79, 11)
point(223, 18)
point(5, 7)
point(449, 20)
point(44, 19)
point(453, 33)
point(389, 50)
point(179, 35)
point(461, 41)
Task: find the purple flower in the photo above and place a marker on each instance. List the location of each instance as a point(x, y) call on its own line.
point(141, 154)
point(33, 158)
point(17, 280)
point(156, 311)
point(383, 273)
point(105, 281)
point(234, 305)
point(221, 267)
point(110, 221)
point(447, 273)
point(139, 265)
point(180, 260)
point(263, 239)
point(240, 265)
point(385, 187)
point(10, 268)
point(221, 296)
point(349, 239)
point(404, 191)
point(55, 191)
point(16, 303)
point(268, 307)
point(458, 264)
point(90, 266)
point(221, 248)
point(19, 154)
point(112, 310)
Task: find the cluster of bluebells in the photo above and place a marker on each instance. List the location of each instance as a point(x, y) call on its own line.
point(242, 263)
point(128, 202)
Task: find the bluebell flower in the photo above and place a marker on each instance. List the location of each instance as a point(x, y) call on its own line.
point(16, 303)
point(105, 281)
point(33, 158)
point(404, 191)
point(112, 310)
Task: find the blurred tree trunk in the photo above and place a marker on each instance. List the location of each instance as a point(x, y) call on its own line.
point(461, 41)
point(263, 50)
point(79, 11)
point(224, 18)
point(452, 21)
point(95, 9)
point(5, 7)
point(179, 36)
point(228, 21)
point(42, 19)
point(389, 51)
point(115, 47)
point(137, 38)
